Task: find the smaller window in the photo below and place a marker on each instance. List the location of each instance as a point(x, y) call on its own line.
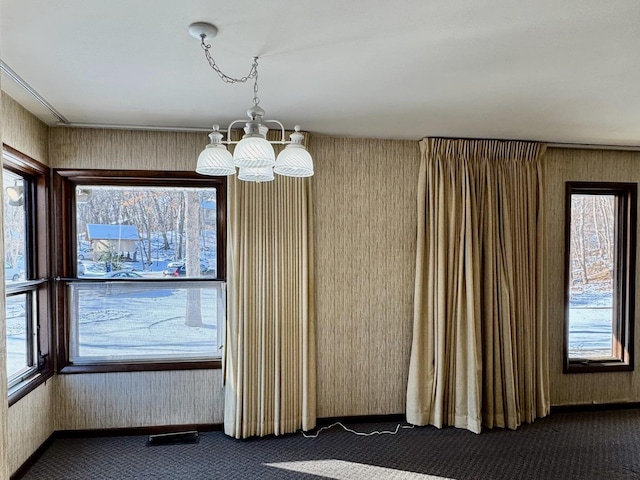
point(600, 266)
point(26, 270)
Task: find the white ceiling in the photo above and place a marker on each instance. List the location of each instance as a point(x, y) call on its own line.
point(557, 71)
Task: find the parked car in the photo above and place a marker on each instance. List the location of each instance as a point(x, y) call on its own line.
point(85, 254)
point(98, 269)
point(204, 264)
point(123, 288)
point(181, 270)
point(93, 269)
point(123, 274)
point(12, 273)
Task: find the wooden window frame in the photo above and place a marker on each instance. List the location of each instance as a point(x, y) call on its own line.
point(37, 261)
point(622, 358)
point(65, 182)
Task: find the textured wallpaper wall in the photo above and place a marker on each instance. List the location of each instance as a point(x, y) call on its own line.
point(140, 398)
point(23, 131)
point(125, 149)
point(29, 421)
point(364, 212)
point(364, 209)
point(582, 165)
point(4, 407)
point(137, 399)
point(365, 231)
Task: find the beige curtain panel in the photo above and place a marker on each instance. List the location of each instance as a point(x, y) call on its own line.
point(480, 348)
point(270, 370)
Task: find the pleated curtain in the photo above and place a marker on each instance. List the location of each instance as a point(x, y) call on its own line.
point(479, 353)
point(270, 369)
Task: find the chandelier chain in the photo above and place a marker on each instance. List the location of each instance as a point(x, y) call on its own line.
point(256, 99)
point(252, 75)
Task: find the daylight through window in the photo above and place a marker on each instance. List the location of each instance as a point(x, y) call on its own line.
point(25, 271)
point(600, 245)
point(147, 283)
point(21, 348)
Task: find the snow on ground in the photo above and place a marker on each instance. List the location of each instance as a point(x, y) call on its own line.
point(149, 320)
point(119, 319)
point(590, 323)
point(115, 322)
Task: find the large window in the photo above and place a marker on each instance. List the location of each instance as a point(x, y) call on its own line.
point(601, 226)
point(26, 267)
point(142, 271)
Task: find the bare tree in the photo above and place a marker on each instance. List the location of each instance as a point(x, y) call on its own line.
point(578, 251)
point(592, 239)
point(192, 227)
point(180, 227)
point(162, 222)
point(606, 211)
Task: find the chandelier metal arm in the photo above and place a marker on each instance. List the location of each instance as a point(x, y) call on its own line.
point(282, 141)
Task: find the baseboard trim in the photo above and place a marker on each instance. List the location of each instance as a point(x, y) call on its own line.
point(594, 407)
point(33, 458)
point(130, 431)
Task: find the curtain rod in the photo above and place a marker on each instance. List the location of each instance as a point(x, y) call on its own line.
point(586, 146)
point(591, 146)
point(156, 128)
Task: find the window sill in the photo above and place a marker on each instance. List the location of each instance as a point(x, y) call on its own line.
point(140, 367)
point(590, 366)
point(23, 389)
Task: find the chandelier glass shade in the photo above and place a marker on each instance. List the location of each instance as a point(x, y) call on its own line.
point(215, 159)
point(254, 154)
point(256, 174)
point(294, 160)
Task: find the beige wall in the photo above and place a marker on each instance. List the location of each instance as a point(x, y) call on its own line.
point(364, 209)
point(365, 218)
point(23, 131)
point(124, 149)
point(364, 214)
point(137, 399)
point(4, 408)
point(582, 165)
point(30, 420)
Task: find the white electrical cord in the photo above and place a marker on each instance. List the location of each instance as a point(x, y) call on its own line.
point(362, 434)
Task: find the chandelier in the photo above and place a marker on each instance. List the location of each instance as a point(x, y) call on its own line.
point(253, 155)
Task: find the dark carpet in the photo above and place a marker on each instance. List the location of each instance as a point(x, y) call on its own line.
point(580, 445)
